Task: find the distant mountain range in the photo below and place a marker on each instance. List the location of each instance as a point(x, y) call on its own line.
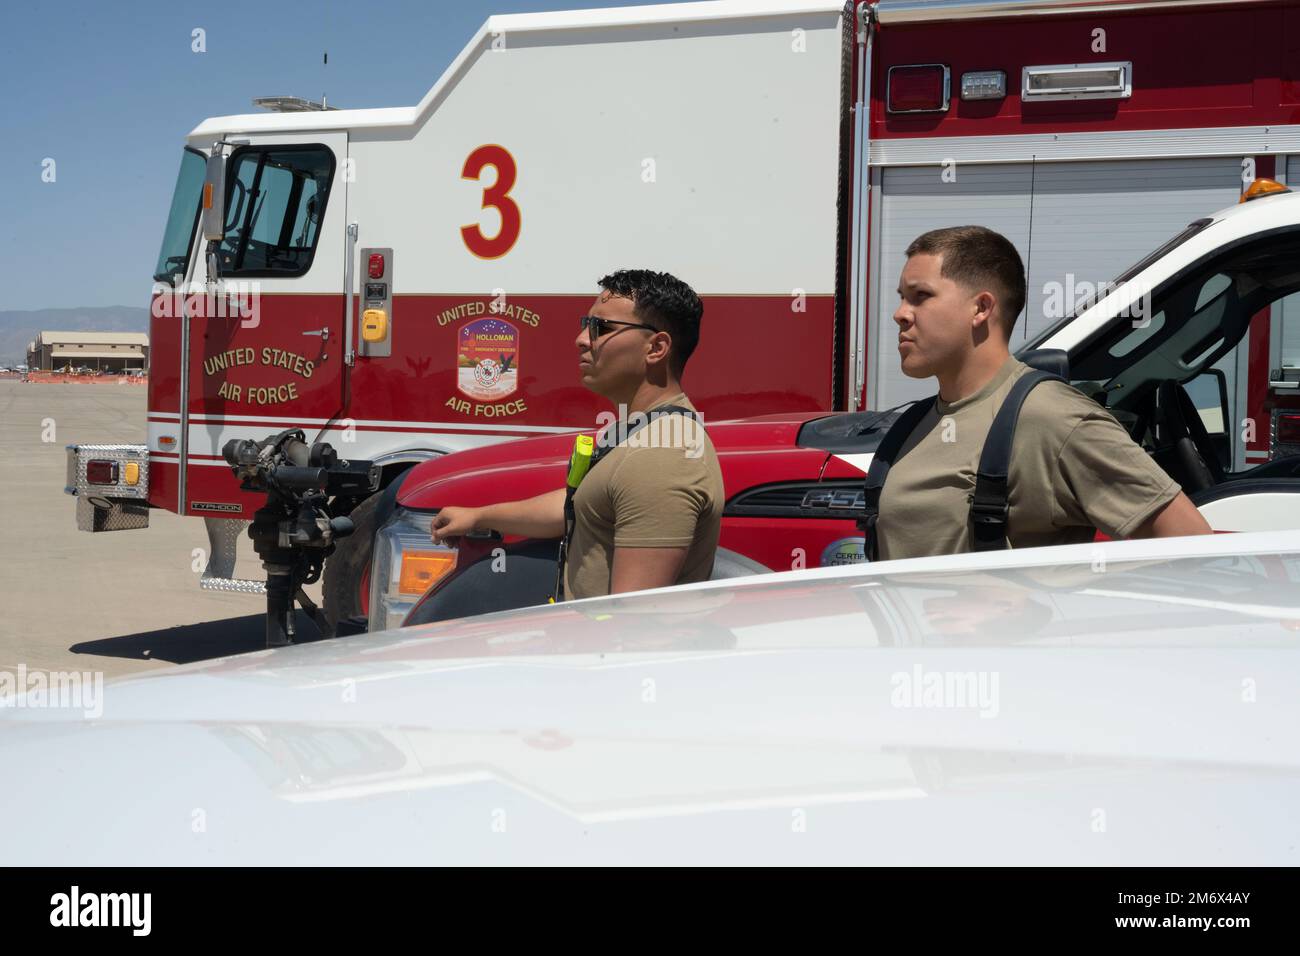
point(17, 329)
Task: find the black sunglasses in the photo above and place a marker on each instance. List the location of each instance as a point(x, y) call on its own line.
point(599, 326)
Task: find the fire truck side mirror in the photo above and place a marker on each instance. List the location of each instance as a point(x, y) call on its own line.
point(214, 196)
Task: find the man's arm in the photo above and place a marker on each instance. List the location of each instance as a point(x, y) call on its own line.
point(539, 517)
point(1107, 480)
point(1179, 517)
point(636, 569)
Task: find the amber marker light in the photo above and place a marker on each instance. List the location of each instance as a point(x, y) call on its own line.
point(1262, 187)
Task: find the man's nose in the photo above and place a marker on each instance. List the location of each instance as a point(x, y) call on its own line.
point(583, 341)
point(903, 314)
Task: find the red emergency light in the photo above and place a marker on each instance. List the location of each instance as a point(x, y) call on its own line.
point(1288, 430)
point(376, 266)
point(919, 88)
point(99, 472)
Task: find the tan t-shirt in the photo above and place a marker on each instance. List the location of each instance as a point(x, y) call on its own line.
point(1074, 470)
point(661, 488)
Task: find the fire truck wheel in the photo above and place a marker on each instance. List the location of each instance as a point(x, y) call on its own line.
point(347, 571)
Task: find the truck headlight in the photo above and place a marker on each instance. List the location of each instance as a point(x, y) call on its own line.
point(406, 563)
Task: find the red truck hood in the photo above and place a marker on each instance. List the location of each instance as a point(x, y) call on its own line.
point(750, 451)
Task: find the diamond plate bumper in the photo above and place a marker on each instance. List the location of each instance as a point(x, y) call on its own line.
point(117, 506)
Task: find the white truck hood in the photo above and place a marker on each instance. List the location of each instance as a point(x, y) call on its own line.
point(974, 709)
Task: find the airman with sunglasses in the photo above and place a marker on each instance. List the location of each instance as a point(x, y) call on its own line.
point(651, 513)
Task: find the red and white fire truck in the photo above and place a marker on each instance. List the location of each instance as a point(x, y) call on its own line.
point(404, 283)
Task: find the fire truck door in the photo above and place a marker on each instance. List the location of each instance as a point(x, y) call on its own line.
point(267, 349)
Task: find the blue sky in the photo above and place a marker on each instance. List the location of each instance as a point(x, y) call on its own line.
point(108, 90)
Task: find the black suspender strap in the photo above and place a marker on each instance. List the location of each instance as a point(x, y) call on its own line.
point(990, 504)
point(602, 449)
point(881, 461)
point(563, 557)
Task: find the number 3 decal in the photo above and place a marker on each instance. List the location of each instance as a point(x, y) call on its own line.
point(496, 196)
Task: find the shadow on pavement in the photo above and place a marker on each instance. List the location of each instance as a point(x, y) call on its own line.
point(196, 642)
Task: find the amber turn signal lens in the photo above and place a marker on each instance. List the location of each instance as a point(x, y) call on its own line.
point(423, 569)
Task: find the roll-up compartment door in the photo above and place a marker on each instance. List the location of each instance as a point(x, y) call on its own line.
point(1090, 222)
point(1093, 220)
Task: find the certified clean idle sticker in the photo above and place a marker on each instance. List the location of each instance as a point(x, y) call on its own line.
point(844, 551)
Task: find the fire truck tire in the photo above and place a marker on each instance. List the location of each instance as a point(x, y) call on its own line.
point(347, 569)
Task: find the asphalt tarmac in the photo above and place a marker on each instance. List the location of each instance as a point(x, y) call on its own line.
point(114, 602)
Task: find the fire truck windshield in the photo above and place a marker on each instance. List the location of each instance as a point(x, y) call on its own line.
point(178, 237)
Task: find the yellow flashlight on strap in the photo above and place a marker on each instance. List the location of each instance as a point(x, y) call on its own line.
point(580, 460)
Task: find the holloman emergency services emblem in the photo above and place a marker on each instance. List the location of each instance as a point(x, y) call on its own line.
point(487, 359)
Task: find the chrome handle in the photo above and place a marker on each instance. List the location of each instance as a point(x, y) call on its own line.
point(323, 333)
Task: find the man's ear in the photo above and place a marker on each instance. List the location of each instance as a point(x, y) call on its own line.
point(985, 303)
point(661, 344)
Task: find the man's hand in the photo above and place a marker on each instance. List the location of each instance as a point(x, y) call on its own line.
point(539, 517)
point(452, 523)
